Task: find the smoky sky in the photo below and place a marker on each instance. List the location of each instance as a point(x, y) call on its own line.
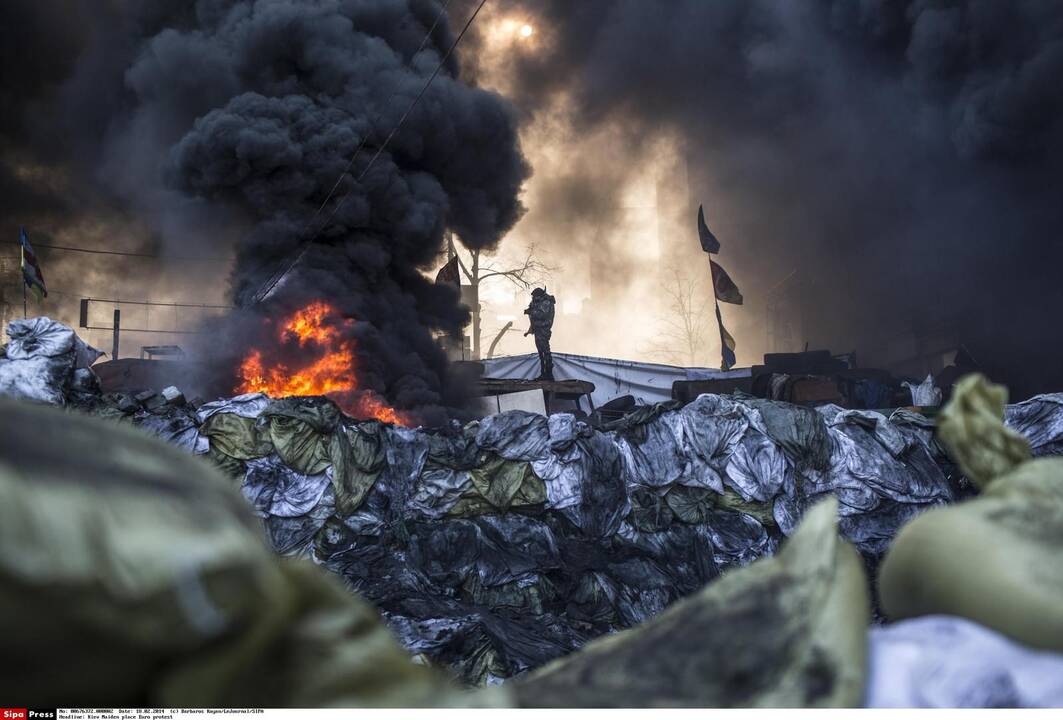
point(222, 126)
point(904, 157)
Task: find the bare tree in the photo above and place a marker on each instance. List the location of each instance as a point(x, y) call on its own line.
point(686, 320)
point(478, 269)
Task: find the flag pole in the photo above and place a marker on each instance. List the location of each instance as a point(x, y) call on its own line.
point(719, 320)
point(22, 264)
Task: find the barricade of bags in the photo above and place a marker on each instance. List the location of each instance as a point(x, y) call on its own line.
point(495, 548)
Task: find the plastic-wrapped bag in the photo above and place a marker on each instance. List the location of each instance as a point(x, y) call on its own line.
point(111, 535)
point(996, 559)
point(40, 360)
point(787, 631)
point(948, 662)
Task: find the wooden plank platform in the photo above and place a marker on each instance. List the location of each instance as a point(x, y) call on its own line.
point(570, 391)
point(560, 388)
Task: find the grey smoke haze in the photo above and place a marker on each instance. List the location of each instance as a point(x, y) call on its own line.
point(905, 157)
point(224, 123)
point(60, 95)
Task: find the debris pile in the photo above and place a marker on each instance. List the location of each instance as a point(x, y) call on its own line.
point(47, 362)
point(499, 546)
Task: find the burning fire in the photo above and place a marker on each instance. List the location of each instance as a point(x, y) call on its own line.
point(330, 368)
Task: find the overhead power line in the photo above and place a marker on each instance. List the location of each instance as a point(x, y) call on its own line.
point(96, 251)
point(158, 304)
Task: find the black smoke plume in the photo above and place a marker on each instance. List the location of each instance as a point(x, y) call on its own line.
point(224, 124)
point(906, 157)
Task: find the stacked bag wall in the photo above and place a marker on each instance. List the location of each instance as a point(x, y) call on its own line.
point(496, 547)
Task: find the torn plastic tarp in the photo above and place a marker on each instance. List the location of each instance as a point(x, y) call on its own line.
point(1040, 420)
point(789, 631)
point(173, 424)
point(293, 506)
point(925, 393)
point(250, 405)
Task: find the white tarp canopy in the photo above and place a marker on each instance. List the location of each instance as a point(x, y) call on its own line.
point(647, 382)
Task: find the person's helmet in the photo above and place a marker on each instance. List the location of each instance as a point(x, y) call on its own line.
point(538, 291)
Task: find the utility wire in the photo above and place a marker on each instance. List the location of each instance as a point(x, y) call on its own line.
point(94, 251)
point(153, 303)
point(279, 274)
point(331, 192)
point(264, 292)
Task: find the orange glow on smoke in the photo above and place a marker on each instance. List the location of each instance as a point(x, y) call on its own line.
point(330, 367)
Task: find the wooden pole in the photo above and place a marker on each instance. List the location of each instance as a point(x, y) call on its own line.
point(114, 340)
point(22, 267)
point(719, 319)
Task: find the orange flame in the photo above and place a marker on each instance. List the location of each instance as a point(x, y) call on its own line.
point(331, 369)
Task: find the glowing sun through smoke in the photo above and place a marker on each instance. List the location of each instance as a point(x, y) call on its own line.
point(503, 32)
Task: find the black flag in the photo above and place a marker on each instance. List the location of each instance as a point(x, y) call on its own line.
point(709, 243)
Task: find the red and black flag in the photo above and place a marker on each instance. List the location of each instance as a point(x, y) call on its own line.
point(449, 274)
point(31, 269)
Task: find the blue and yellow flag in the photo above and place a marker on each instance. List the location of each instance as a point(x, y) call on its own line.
point(724, 286)
point(727, 345)
point(31, 269)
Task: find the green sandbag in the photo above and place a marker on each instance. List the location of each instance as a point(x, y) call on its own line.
point(228, 465)
point(971, 427)
point(132, 574)
point(358, 456)
point(996, 559)
point(499, 485)
point(320, 413)
point(785, 631)
point(236, 436)
point(524, 596)
point(300, 429)
point(694, 505)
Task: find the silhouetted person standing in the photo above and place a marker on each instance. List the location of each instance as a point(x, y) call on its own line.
point(540, 314)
